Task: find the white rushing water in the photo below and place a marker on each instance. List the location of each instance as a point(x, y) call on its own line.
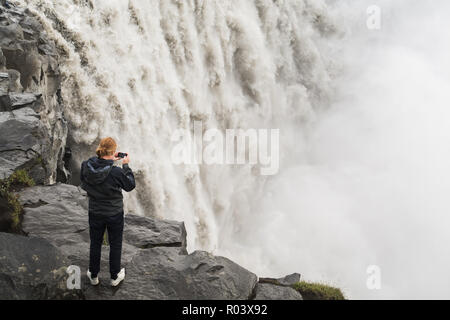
point(364, 153)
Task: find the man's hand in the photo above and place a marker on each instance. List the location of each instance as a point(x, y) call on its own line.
point(126, 160)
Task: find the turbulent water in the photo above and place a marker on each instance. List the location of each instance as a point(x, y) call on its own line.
point(353, 189)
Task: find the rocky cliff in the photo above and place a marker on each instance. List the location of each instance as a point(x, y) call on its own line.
point(33, 130)
point(154, 255)
point(52, 217)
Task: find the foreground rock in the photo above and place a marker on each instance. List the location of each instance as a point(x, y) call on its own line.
point(163, 273)
point(154, 251)
point(59, 214)
point(288, 280)
point(32, 268)
point(154, 254)
point(268, 291)
point(278, 289)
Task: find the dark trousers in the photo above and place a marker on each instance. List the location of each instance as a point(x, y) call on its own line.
point(97, 226)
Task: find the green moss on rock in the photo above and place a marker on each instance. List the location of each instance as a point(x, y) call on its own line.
point(12, 209)
point(318, 291)
point(18, 180)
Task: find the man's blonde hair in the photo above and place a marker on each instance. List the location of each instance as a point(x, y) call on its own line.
point(106, 147)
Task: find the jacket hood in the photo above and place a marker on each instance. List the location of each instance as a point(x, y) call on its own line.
point(96, 170)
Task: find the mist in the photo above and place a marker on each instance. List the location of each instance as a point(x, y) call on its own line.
point(370, 181)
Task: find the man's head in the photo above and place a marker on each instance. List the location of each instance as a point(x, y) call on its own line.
point(106, 148)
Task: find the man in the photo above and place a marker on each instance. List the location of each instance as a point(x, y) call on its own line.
point(104, 183)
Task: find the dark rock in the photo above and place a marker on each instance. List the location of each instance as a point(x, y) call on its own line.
point(32, 268)
point(154, 254)
point(288, 280)
point(278, 289)
point(22, 141)
point(5, 103)
point(144, 232)
point(162, 273)
point(268, 291)
point(59, 214)
point(20, 100)
point(5, 214)
point(31, 60)
point(14, 101)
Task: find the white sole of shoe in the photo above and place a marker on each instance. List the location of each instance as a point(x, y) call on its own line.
point(120, 278)
point(94, 281)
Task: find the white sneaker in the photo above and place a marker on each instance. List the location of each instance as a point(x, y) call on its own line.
point(94, 281)
point(120, 277)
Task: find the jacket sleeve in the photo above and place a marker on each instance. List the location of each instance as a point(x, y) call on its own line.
point(125, 178)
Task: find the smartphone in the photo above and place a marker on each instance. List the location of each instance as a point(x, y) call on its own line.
point(122, 155)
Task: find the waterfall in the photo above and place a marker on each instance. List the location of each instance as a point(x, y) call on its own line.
point(139, 70)
point(352, 189)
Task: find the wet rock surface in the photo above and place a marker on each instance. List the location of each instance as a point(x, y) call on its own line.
point(32, 268)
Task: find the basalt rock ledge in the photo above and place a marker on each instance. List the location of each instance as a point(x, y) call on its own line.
point(157, 263)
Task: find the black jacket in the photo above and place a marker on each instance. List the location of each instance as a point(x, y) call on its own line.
point(103, 183)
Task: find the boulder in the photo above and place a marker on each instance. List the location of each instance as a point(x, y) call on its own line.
point(268, 291)
point(278, 288)
point(59, 214)
point(144, 232)
point(32, 268)
point(22, 143)
point(288, 280)
point(163, 273)
point(13, 101)
point(20, 100)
